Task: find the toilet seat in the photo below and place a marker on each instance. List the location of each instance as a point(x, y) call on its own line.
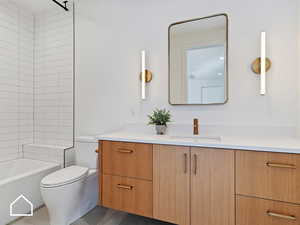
point(64, 176)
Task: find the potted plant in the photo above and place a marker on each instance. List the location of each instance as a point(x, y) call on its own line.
point(160, 118)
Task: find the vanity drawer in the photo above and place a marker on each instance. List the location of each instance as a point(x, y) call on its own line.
point(273, 176)
point(128, 194)
point(254, 211)
point(127, 159)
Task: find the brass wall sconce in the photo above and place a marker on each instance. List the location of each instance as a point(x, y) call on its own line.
point(262, 64)
point(148, 76)
point(256, 65)
point(145, 75)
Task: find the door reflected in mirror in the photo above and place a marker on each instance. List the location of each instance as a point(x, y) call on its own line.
point(198, 61)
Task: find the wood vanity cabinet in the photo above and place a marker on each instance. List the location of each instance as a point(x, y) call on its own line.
point(126, 178)
point(127, 159)
point(212, 187)
point(128, 194)
point(268, 175)
point(193, 185)
point(171, 184)
point(200, 186)
point(268, 188)
point(256, 211)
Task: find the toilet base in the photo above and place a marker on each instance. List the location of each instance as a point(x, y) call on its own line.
point(68, 203)
point(90, 196)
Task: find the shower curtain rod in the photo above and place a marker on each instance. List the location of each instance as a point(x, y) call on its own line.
point(61, 5)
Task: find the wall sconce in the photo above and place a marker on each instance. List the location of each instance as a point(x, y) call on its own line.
point(262, 64)
point(145, 76)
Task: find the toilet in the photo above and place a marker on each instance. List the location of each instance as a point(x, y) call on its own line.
point(72, 192)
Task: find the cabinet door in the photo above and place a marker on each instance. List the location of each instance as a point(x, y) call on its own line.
point(171, 184)
point(212, 187)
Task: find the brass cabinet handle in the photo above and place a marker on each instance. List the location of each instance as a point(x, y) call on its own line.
point(127, 187)
point(195, 164)
point(282, 216)
point(279, 165)
point(185, 163)
point(97, 150)
point(123, 150)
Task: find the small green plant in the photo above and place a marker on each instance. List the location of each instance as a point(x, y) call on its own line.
point(159, 117)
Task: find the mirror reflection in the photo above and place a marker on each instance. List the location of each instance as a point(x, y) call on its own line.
point(198, 61)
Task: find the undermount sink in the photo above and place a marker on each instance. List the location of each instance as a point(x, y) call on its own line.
point(197, 137)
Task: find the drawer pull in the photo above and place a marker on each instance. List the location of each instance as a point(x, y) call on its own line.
point(195, 164)
point(97, 151)
point(282, 216)
point(121, 150)
point(185, 163)
point(278, 165)
point(127, 187)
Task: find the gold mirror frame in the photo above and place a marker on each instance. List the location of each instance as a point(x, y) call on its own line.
point(226, 64)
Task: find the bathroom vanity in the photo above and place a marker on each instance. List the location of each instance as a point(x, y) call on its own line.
point(187, 181)
point(194, 180)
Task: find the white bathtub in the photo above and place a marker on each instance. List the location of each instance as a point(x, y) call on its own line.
point(21, 176)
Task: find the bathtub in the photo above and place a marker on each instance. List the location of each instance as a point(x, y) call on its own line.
point(21, 176)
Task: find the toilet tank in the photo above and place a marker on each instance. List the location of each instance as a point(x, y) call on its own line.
point(85, 154)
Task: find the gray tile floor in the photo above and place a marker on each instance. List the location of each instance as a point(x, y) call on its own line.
point(98, 216)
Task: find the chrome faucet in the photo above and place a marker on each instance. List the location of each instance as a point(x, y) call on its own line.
point(196, 127)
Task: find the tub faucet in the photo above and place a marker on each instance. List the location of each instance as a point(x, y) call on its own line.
point(196, 127)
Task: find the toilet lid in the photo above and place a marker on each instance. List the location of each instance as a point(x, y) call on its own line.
point(64, 176)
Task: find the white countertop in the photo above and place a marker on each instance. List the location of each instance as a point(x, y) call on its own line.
point(269, 144)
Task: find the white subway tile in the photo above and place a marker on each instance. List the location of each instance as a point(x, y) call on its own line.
point(36, 88)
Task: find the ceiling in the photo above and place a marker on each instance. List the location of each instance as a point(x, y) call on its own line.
point(37, 5)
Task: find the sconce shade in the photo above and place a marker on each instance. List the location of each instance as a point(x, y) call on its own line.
point(145, 75)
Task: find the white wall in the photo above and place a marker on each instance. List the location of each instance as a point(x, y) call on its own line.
point(110, 34)
point(53, 109)
point(16, 79)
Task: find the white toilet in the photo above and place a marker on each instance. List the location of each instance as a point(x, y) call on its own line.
point(72, 192)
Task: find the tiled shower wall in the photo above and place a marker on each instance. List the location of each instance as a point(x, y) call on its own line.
point(36, 79)
point(16, 79)
point(54, 78)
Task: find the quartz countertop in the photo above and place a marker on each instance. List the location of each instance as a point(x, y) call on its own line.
point(269, 144)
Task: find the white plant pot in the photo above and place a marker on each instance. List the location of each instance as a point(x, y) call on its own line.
point(160, 129)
